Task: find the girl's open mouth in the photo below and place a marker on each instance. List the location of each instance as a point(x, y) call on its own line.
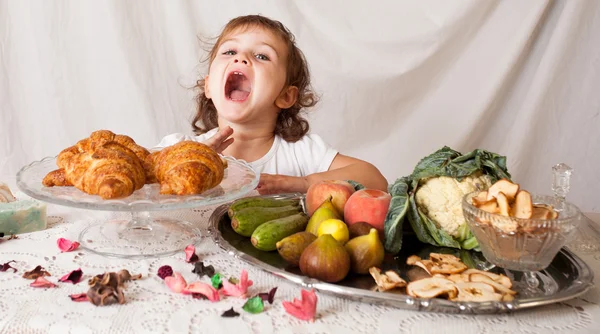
point(237, 87)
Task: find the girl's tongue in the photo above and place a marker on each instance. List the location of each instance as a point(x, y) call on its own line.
point(239, 95)
point(238, 87)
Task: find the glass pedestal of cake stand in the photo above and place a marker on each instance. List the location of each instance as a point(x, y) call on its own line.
point(139, 235)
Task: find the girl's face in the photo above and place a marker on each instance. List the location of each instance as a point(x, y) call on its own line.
point(247, 77)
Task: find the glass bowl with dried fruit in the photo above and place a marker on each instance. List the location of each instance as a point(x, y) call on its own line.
point(517, 230)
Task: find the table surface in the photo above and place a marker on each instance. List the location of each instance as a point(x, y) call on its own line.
point(152, 308)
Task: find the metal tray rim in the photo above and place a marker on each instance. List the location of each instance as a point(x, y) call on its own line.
point(577, 288)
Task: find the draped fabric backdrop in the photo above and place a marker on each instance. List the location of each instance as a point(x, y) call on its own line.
point(398, 79)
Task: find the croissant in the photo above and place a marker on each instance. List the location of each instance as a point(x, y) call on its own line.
point(90, 144)
point(110, 171)
point(56, 178)
point(187, 168)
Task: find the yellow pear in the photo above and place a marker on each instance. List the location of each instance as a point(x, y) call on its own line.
point(328, 204)
point(325, 211)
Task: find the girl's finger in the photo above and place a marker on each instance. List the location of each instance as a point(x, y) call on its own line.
point(224, 145)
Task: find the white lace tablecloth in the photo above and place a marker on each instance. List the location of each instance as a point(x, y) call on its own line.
point(152, 308)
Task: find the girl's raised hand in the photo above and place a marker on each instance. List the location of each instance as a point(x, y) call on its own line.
point(220, 141)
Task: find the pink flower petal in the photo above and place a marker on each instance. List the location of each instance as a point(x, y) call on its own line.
point(41, 282)
point(73, 277)
point(66, 245)
point(79, 297)
point(237, 290)
point(204, 289)
point(190, 254)
point(304, 309)
point(176, 282)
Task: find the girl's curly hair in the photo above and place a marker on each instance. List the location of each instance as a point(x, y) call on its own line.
point(291, 125)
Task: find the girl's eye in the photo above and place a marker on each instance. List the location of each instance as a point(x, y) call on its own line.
point(229, 53)
point(261, 57)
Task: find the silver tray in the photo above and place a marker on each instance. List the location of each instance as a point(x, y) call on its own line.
point(567, 276)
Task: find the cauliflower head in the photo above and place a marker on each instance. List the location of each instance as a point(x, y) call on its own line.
point(440, 198)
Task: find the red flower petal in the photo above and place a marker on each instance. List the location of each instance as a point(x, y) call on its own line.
point(268, 296)
point(41, 282)
point(190, 254)
point(7, 266)
point(165, 271)
point(79, 297)
point(73, 277)
point(204, 289)
point(66, 245)
point(304, 309)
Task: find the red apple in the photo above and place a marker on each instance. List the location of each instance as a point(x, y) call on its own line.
point(368, 205)
point(317, 193)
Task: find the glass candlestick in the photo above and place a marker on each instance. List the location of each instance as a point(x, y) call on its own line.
point(586, 238)
point(561, 181)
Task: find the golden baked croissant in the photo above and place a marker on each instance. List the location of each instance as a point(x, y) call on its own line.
point(187, 167)
point(95, 140)
point(57, 178)
point(110, 171)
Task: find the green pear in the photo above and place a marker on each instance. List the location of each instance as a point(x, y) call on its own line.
point(325, 211)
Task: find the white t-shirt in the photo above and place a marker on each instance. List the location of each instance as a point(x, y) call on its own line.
point(306, 156)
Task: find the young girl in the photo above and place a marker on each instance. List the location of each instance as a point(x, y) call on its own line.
point(250, 105)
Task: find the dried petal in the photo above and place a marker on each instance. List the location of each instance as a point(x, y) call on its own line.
point(201, 270)
point(254, 305)
point(304, 309)
point(237, 290)
point(202, 288)
point(41, 282)
point(73, 277)
point(190, 254)
point(135, 277)
point(230, 313)
point(66, 245)
point(79, 297)
point(38, 271)
point(199, 296)
point(109, 288)
point(165, 271)
point(176, 282)
point(216, 281)
point(268, 296)
point(7, 266)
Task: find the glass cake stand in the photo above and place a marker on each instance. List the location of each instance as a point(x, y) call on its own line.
point(140, 235)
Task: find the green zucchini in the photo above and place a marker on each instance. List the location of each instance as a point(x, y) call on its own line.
point(246, 220)
point(262, 202)
point(266, 236)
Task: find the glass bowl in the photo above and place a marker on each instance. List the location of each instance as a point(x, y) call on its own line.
point(532, 245)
